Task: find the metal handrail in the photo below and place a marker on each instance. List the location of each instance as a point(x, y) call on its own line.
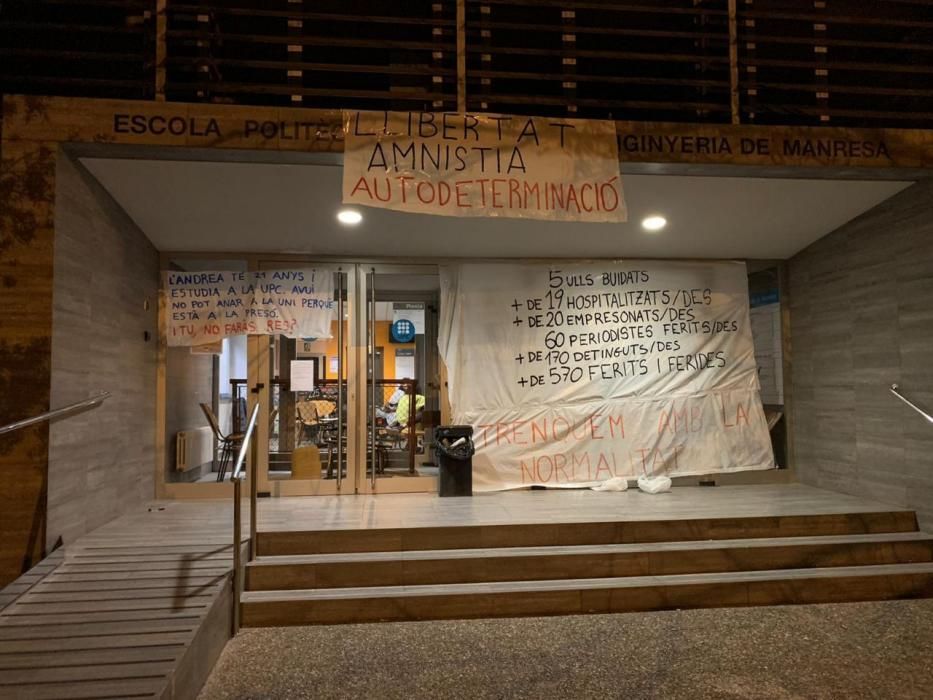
point(340, 351)
point(56, 413)
point(898, 394)
point(372, 375)
point(244, 446)
point(235, 477)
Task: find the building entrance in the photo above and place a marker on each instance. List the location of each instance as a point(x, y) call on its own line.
point(352, 413)
point(358, 416)
point(403, 378)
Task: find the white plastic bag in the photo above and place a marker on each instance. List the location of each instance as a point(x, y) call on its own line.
point(654, 484)
point(616, 483)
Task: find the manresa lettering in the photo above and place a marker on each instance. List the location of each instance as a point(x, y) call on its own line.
point(834, 148)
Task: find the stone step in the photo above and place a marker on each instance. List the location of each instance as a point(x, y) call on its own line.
point(594, 595)
point(277, 543)
point(293, 572)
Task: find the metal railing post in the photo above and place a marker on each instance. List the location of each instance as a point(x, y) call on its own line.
point(253, 494)
point(340, 350)
point(237, 564)
point(248, 445)
point(412, 440)
point(372, 375)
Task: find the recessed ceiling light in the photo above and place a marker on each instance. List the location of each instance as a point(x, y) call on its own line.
point(653, 223)
point(349, 217)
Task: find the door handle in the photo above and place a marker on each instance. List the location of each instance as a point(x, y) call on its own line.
point(256, 389)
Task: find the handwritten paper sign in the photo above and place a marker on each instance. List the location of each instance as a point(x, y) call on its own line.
point(302, 375)
point(574, 374)
point(483, 165)
point(202, 307)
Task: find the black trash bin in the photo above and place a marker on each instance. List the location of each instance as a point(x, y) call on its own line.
point(454, 447)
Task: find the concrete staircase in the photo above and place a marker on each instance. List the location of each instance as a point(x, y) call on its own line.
point(343, 576)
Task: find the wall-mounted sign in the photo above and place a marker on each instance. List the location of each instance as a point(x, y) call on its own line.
point(409, 311)
point(577, 373)
point(203, 307)
point(765, 317)
point(403, 331)
point(771, 296)
point(302, 375)
point(483, 165)
point(305, 348)
point(405, 363)
point(300, 129)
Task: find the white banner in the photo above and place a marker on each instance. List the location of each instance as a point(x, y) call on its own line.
point(483, 165)
point(576, 373)
point(202, 307)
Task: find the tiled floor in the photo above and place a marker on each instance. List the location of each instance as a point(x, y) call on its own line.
point(852, 650)
point(422, 510)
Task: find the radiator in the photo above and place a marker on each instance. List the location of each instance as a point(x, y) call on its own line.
point(193, 448)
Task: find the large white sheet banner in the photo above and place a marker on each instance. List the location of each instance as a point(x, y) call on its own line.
point(483, 165)
point(202, 307)
point(575, 373)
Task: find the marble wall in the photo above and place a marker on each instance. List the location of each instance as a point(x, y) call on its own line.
point(105, 300)
point(861, 318)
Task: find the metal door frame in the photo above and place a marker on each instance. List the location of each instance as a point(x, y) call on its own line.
point(260, 391)
point(367, 481)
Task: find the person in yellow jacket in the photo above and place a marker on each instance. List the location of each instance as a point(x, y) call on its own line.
point(403, 410)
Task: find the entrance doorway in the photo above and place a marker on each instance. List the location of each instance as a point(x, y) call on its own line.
point(353, 413)
point(402, 370)
point(371, 457)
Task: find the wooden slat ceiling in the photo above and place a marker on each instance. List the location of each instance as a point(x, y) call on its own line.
point(841, 62)
point(82, 48)
point(660, 59)
point(849, 63)
point(327, 53)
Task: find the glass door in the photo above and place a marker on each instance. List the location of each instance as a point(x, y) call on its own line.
point(301, 385)
point(402, 389)
point(353, 413)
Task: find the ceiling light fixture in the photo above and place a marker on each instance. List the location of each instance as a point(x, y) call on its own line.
point(349, 217)
point(653, 223)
